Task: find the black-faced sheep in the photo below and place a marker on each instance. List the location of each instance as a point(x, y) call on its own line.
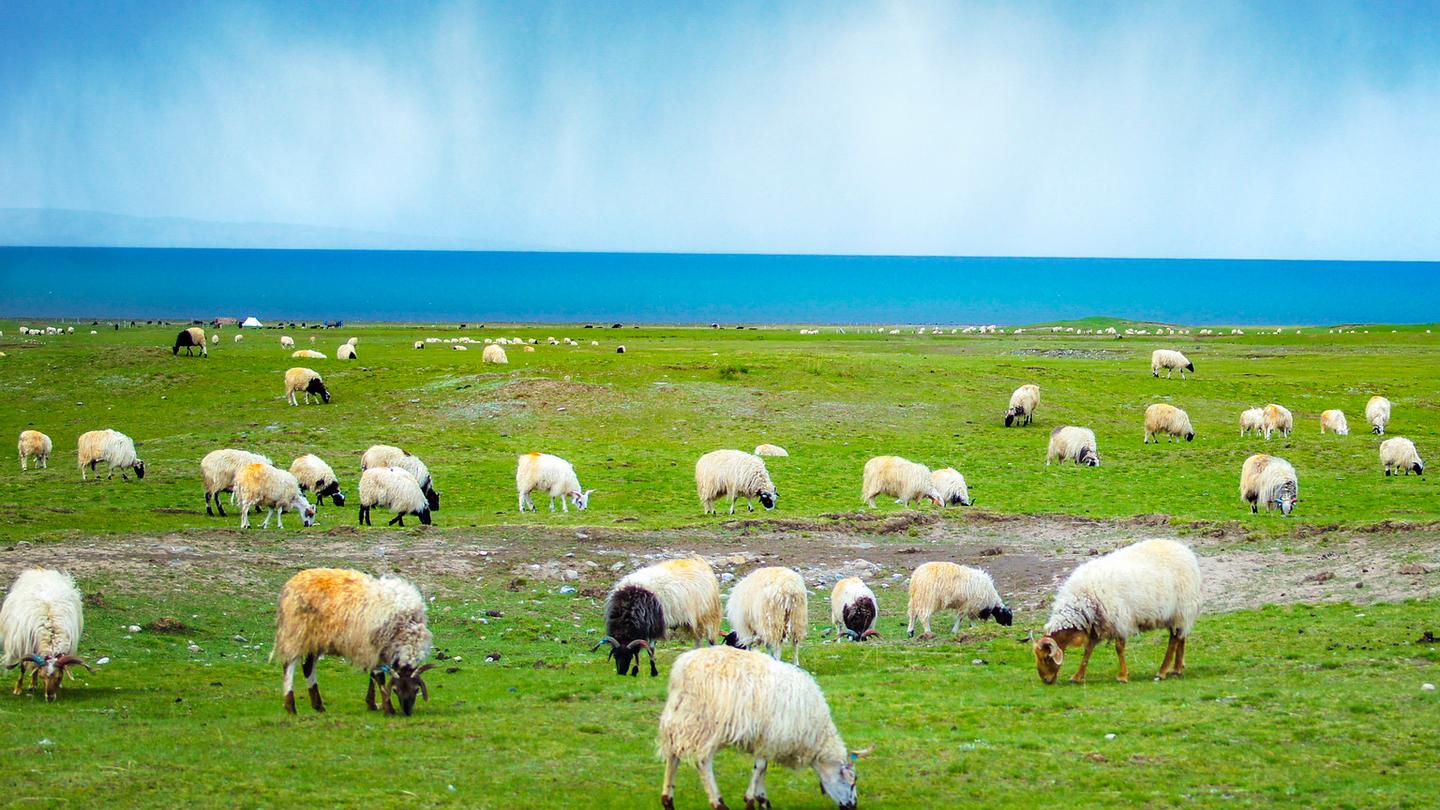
point(1023, 403)
point(305, 381)
point(190, 339)
point(1377, 413)
point(1170, 360)
point(317, 478)
point(395, 489)
point(1399, 453)
point(854, 609)
point(1069, 442)
point(649, 604)
point(899, 478)
point(731, 474)
point(1169, 420)
point(112, 447)
point(384, 455)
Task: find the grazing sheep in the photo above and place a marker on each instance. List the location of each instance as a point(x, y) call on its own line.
point(419, 344)
point(274, 489)
point(378, 625)
point(1278, 418)
point(724, 698)
point(308, 354)
point(899, 478)
point(770, 450)
point(346, 351)
point(733, 474)
point(395, 489)
point(1252, 419)
point(1149, 585)
point(112, 447)
point(315, 476)
point(494, 354)
point(1400, 454)
point(937, 586)
point(41, 622)
point(767, 608)
point(552, 475)
point(36, 445)
point(218, 470)
point(190, 339)
point(1022, 405)
point(384, 455)
point(353, 342)
point(950, 486)
point(1167, 419)
point(1377, 413)
point(307, 381)
point(619, 349)
point(1334, 421)
point(651, 603)
point(854, 609)
point(1269, 480)
point(1170, 360)
point(287, 342)
point(465, 349)
point(238, 338)
point(1070, 442)
point(213, 339)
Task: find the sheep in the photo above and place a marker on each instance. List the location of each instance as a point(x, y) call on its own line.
point(465, 349)
point(1400, 454)
point(215, 339)
point(854, 609)
point(419, 344)
point(238, 338)
point(1023, 403)
point(1170, 360)
point(315, 476)
point(525, 349)
point(1269, 480)
point(950, 486)
point(384, 455)
point(1334, 421)
point(1069, 442)
point(553, 475)
point(308, 354)
point(649, 604)
point(733, 474)
point(771, 450)
point(1167, 419)
point(768, 607)
point(260, 484)
point(36, 445)
point(936, 586)
point(287, 342)
point(346, 351)
point(189, 339)
point(619, 349)
point(353, 342)
point(1252, 419)
point(1148, 585)
point(307, 381)
point(494, 354)
point(112, 447)
point(41, 621)
point(724, 698)
point(395, 489)
point(898, 478)
point(1278, 418)
point(378, 625)
point(1377, 413)
point(218, 470)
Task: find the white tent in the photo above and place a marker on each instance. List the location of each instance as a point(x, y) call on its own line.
point(250, 321)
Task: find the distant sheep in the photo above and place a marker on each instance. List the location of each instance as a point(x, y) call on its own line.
point(1073, 443)
point(395, 489)
point(1269, 480)
point(419, 344)
point(317, 478)
point(854, 609)
point(733, 474)
point(308, 354)
point(652, 603)
point(1278, 419)
point(1400, 454)
point(273, 489)
point(1149, 585)
point(112, 447)
point(1252, 420)
point(40, 622)
point(937, 586)
point(239, 337)
point(619, 349)
point(1169, 420)
point(384, 455)
point(465, 349)
point(494, 354)
point(287, 342)
point(528, 349)
point(1334, 421)
point(770, 450)
point(213, 338)
point(1022, 405)
point(1377, 413)
point(36, 445)
point(552, 475)
point(898, 478)
point(189, 340)
point(306, 381)
point(950, 486)
point(1170, 360)
point(217, 473)
point(346, 351)
point(767, 608)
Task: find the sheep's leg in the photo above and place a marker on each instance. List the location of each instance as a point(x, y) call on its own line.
point(20, 682)
point(552, 503)
point(749, 504)
point(564, 504)
point(279, 518)
point(910, 630)
point(651, 651)
point(23, 468)
point(795, 654)
point(1165, 665)
point(755, 794)
point(309, 668)
point(732, 503)
point(289, 686)
point(1124, 676)
point(208, 511)
point(386, 707)
point(1079, 676)
point(706, 767)
point(375, 678)
point(244, 515)
point(1179, 658)
point(667, 787)
point(269, 513)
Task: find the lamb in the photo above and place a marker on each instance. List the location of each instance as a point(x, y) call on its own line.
point(552, 475)
point(1269, 480)
point(287, 342)
point(1278, 418)
point(378, 625)
point(218, 470)
point(1149, 585)
point(769, 607)
point(1334, 421)
point(307, 381)
point(898, 478)
point(1170, 360)
point(384, 455)
point(950, 486)
point(1377, 413)
point(315, 476)
point(395, 489)
point(770, 450)
point(1070, 442)
point(40, 622)
point(724, 698)
point(213, 339)
point(494, 354)
point(1167, 419)
point(854, 609)
point(112, 447)
point(189, 339)
point(346, 351)
point(262, 485)
point(733, 474)
point(308, 354)
point(1400, 454)
point(1252, 419)
point(651, 603)
point(36, 445)
point(936, 586)
point(1023, 404)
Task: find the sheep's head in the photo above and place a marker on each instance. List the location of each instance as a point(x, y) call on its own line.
point(424, 515)
point(307, 512)
point(732, 639)
point(432, 498)
point(933, 495)
point(1087, 457)
point(139, 468)
point(837, 780)
point(1010, 416)
point(331, 491)
point(1002, 615)
point(1189, 435)
point(317, 387)
point(854, 636)
point(768, 498)
point(581, 500)
point(406, 683)
point(52, 670)
point(1190, 367)
point(1377, 430)
point(1048, 658)
point(1418, 468)
point(627, 656)
point(1286, 498)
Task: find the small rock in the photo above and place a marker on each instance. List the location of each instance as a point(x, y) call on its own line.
point(103, 661)
point(566, 589)
point(1415, 568)
point(619, 566)
point(240, 640)
point(1427, 687)
point(1110, 736)
point(1322, 576)
point(134, 628)
point(993, 551)
point(194, 648)
point(979, 662)
point(492, 657)
point(494, 614)
point(727, 577)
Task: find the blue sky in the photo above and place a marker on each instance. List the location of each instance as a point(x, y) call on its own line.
point(1264, 130)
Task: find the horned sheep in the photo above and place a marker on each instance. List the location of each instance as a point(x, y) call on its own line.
point(384, 455)
point(274, 489)
point(36, 445)
point(112, 447)
point(552, 475)
point(1023, 403)
point(1399, 453)
point(898, 478)
point(315, 476)
point(1167, 419)
point(1270, 480)
point(767, 608)
point(1278, 420)
point(305, 381)
point(41, 621)
point(937, 586)
point(951, 487)
point(854, 609)
point(189, 340)
point(392, 488)
point(1069, 442)
point(1170, 360)
point(1377, 413)
point(652, 603)
point(218, 470)
point(733, 474)
point(1334, 421)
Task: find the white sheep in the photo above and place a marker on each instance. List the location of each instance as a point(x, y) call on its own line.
point(465, 349)
point(287, 342)
point(238, 337)
point(317, 477)
point(494, 354)
point(1377, 413)
point(950, 486)
point(1269, 480)
point(1399, 453)
point(384, 455)
point(419, 344)
point(725, 698)
point(767, 608)
point(552, 475)
point(1149, 585)
point(36, 445)
point(305, 381)
point(1170, 360)
point(1278, 419)
point(1069, 442)
point(733, 474)
point(899, 478)
point(217, 473)
point(1252, 420)
point(274, 489)
point(346, 351)
point(191, 339)
point(854, 609)
point(395, 489)
point(770, 450)
point(1167, 419)
point(308, 354)
point(215, 339)
point(112, 447)
point(1023, 403)
point(1334, 421)
point(40, 622)
point(937, 586)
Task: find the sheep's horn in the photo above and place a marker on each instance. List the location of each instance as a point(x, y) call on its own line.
point(606, 640)
point(639, 642)
point(871, 634)
point(851, 634)
point(71, 660)
point(425, 669)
